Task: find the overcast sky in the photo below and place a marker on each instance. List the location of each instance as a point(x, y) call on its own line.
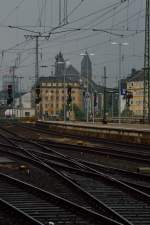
point(40, 15)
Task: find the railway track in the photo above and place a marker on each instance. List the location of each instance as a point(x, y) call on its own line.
point(11, 215)
point(123, 202)
point(80, 152)
point(132, 153)
point(43, 207)
point(91, 201)
point(102, 142)
point(54, 158)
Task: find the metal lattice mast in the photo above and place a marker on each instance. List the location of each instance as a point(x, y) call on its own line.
point(146, 103)
point(63, 12)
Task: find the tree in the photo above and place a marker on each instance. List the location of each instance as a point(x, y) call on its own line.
point(127, 112)
point(79, 113)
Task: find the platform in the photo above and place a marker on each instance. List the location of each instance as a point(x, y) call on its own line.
point(131, 133)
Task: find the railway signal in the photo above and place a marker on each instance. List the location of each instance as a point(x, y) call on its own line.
point(69, 98)
point(37, 97)
point(9, 92)
point(95, 99)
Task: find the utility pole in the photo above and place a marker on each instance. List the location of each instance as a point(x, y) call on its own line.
point(104, 111)
point(37, 59)
point(20, 98)
point(13, 92)
point(146, 101)
point(65, 11)
point(36, 37)
point(119, 82)
point(59, 12)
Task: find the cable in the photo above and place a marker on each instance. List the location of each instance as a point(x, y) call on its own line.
point(11, 12)
point(95, 12)
point(76, 7)
point(117, 12)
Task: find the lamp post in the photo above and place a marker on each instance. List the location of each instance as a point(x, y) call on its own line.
point(120, 44)
point(64, 82)
point(87, 81)
point(20, 78)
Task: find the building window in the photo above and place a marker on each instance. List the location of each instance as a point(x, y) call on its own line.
point(51, 105)
point(46, 98)
point(46, 105)
point(51, 98)
point(52, 91)
point(46, 91)
point(27, 113)
point(57, 106)
point(46, 113)
point(57, 98)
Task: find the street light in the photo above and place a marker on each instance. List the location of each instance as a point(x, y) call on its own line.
point(87, 90)
point(64, 81)
point(120, 44)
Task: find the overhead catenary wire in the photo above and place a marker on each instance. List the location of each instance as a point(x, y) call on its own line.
point(81, 30)
point(59, 35)
point(11, 12)
point(75, 8)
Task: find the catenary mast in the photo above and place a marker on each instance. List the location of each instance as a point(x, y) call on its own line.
point(146, 103)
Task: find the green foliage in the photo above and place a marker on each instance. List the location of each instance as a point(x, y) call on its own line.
point(79, 114)
point(127, 112)
point(61, 113)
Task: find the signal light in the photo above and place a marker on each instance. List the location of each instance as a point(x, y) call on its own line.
point(9, 90)
point(9, 101)
point(37, 91)
point(69, 99)
point(95, 99)
point(10, 98)
point(129, 96)
point(37, 100)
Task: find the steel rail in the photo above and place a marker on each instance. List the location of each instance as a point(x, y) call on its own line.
point(18, 215)
point(100, 150)
point(98, 205)
point(134, 191)
point(44, 129)
point(50, 200)
point(54, 160)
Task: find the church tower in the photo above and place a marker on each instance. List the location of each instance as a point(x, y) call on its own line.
point(86, 67)
point(59, 65)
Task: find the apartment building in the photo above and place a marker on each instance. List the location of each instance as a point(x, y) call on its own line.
point(135, 85)
point(54, 94)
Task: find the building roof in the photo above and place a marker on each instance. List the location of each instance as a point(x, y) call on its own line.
point(72, 71)
point(86, 66)
point(137, 76)
point(59, 79)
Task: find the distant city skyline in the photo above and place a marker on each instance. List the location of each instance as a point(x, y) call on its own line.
point(108, 15)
